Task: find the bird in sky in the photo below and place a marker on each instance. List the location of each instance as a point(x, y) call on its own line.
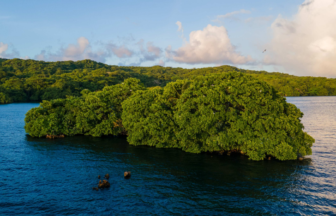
point(264, 51)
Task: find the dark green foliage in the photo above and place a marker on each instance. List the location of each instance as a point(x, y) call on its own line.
point(29, 80)
point(228, 112)
point(94, 113)
point(2, 60)
point(4, 98)
point(149, 119)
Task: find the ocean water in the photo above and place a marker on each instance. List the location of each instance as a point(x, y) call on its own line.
point(55, 177)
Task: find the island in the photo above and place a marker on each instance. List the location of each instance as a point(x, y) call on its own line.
point(224, 112)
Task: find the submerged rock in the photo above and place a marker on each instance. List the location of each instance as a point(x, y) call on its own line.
point(95, 188)
point(98, 176)
point(104, 184)
point(107, 176)
point(127, 174)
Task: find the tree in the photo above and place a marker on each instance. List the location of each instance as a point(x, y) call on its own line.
point(95, 113)
point(30, 80)
point(228, 112)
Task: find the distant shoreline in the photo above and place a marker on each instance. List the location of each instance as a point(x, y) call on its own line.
point(30, 80)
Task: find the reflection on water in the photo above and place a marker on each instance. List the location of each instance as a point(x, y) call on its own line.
point(40, 176)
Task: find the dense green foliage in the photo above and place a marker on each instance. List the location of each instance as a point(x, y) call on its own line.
point(222, 112)
point(30, 80)
point(217, 113)
point(149, 118)
point(94, 113)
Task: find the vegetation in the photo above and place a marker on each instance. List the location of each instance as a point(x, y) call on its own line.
point(224, 112)
point(94, 113)
point(30, 80)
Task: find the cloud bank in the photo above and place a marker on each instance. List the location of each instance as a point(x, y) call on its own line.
point(81, 50)
point(4, 51)
point(150, 52)
point(306, 44)
point(210, 45)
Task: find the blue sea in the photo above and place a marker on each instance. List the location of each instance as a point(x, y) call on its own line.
point(40, 176)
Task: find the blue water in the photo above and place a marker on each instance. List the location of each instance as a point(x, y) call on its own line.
point(55, 177)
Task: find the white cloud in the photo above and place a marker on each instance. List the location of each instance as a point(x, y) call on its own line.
point(231, 15)
point(41, 56)
point(3, 48)
point(120, 51)
point(161, 63)
point(180, 27)
point(153, 49)
point(81, 50)
point(210, 45)
point(306, 44)
point(4, 51)
point(74, 51)
point(150, 53)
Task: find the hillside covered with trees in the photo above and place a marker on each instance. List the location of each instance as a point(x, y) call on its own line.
point(34, 81)
point(230, 112)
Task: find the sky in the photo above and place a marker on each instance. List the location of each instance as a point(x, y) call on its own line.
point(290, 36)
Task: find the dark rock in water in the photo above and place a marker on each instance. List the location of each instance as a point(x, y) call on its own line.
point(107, 176)
point(104, 184)
point(98, 176)
point(95, 188)
point(127, 174)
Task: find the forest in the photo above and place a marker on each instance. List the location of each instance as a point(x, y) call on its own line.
point(228, 112)
point(34, 81)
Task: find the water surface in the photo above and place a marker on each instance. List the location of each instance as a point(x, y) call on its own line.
point(41, 176)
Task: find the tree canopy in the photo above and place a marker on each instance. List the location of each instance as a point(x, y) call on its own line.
point(231, 111)
point(94, 113)
point(228, 112)
point(30, 80)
